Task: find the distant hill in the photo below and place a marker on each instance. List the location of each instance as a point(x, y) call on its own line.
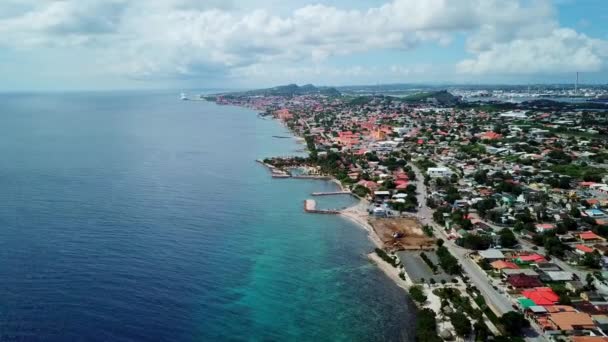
point(442, 97)
point(290, 90)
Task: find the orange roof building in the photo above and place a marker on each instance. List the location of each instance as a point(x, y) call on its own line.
point(568, 321)
point(501, 265)
point(590, 236)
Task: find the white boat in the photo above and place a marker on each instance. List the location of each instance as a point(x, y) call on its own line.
point(184, 97)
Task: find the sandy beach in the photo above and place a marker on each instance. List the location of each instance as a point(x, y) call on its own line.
point(358, 214)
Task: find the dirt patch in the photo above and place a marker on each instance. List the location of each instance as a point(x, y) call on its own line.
point(401, 234)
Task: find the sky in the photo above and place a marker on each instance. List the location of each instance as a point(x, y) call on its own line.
point(171, 44)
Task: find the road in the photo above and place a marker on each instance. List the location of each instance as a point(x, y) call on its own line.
point(499, 303)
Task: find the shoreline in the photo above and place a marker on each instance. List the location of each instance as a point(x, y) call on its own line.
point(358, 215)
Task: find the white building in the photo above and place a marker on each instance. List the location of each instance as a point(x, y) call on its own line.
point(438, 172)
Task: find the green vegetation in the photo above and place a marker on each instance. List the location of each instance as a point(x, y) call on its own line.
point(507, 238)
point(473, 150)
point(586, 173)
point(513, 323)
point(361, 191)
point(417, 294)
point(442, 97)
point(551, 243)
point(389, 259)
point(428, 262)
point(461, 324)
point(428, 230)
point(475, 241)
point(426, 326)
point(424, 164)
point(447, 261)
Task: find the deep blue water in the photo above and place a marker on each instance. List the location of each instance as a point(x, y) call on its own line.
point(139, 217)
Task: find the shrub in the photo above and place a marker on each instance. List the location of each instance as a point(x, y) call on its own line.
point(417, 294)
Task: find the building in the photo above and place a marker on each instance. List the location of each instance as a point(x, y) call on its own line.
point(491, 255)
point(541, 296)
point(519, 281)
point(439, 172)
point(570, 321)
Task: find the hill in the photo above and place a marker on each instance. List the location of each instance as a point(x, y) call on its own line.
point(443, 98)
point(290, 90)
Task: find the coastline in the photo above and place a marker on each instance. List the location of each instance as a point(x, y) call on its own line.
point(358, 215)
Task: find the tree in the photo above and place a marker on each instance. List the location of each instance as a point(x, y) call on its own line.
point(589, 278)
point(507, 238)
point(461, 324)
point(514, 322)
point(417, 294)
point(475, 242)
point(591, 260)
point(426, 326)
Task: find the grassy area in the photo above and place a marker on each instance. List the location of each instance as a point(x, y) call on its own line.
point(578, 171)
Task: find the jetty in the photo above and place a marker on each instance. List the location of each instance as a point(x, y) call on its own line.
point(330, 193)
point(311, 177)
point(310, 206)
point(276, 173)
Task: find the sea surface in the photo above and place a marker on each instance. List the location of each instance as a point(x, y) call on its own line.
point(138, 217)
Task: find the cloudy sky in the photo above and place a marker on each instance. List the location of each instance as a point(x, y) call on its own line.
point(118, 44)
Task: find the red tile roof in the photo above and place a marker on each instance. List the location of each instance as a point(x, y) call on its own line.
point(585, 249)
point(541, 296)
point(589, 235)
point(524, 281)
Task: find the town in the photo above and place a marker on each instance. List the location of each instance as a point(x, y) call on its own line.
point(492, 215)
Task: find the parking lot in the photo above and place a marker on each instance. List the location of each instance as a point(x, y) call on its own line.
point(417, 269)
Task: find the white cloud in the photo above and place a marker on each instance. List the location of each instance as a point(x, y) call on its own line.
point(215, 38)
point(563, 50)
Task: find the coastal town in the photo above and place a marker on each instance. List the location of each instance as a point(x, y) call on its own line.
point(492, 215)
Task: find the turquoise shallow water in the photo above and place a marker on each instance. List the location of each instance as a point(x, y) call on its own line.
point(139, 217)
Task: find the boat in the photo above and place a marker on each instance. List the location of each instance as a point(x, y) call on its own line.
point(184, 97)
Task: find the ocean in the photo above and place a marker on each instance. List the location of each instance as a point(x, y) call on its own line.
point(133, 216)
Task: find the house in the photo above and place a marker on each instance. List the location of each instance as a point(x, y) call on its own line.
point(589, 237)
point(589, 339)
point(526, 271)
point(491, 255)
point(544, 227)
point(557, 276)
point(582, 249)
point(530, 259)
point(541, 296)
point(501, 265)
point(523, 281)
point(439, 172)
point(372, 186)
point(547, 267)
point(570, 321)
point(382, 195)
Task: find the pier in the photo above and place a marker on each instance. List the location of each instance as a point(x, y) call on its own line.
point(310, 206)
point(331, 193)
point(276, 173)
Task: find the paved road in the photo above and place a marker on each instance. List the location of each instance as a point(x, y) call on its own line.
point(498, 302)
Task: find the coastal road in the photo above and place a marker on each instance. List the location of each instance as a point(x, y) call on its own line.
point(495, 300)
point(499, 303)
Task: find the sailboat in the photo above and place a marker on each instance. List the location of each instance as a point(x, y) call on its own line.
point(184, 97)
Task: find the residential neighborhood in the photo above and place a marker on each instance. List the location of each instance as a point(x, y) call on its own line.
point(514, 197)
